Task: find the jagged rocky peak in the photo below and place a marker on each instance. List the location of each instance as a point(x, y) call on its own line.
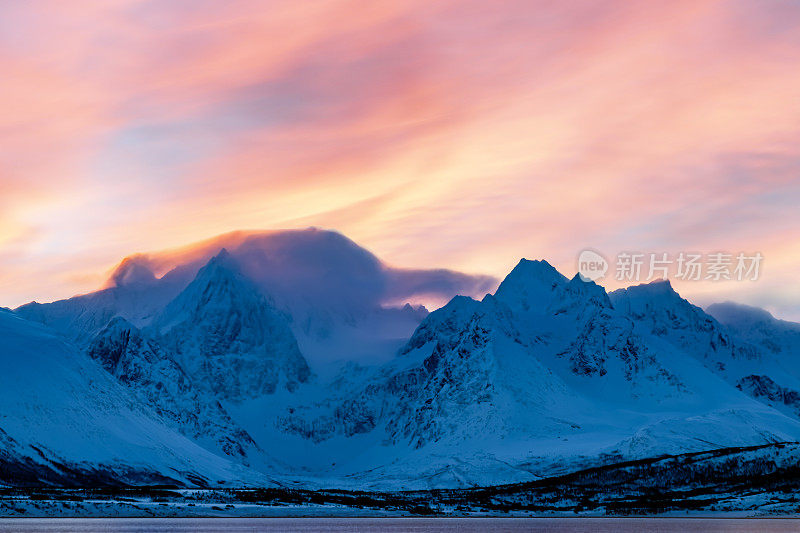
point(155, 378)
point(220, 266)
point(647, 298)
point(586, 291)
point(656, 288)
point(658, 303)
point(223, 257)
point(657, 308)
point(229, 336)
point(445, 322)
point(531, 285)
point(217, 289)
point(419, 311)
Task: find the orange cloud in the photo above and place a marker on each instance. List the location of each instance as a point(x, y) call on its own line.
point(462, 134)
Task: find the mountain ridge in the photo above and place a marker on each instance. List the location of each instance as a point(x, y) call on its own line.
point(300, 379)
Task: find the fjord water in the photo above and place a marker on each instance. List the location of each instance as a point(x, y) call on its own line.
point(419, 525)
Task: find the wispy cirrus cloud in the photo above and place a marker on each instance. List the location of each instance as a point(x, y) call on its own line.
point(461, 134)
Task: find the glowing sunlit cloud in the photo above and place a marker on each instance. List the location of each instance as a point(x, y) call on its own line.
point(461, 134)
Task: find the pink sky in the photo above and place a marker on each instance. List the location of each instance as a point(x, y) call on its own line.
point(460, 134)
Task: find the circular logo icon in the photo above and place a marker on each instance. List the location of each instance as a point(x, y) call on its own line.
point(591, 265)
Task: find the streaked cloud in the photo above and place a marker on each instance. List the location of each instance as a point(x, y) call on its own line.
point(459, 134)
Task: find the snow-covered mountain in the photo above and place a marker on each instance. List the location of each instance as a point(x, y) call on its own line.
point(658, 311)
point(228, 337)
point(203, 341)
point(151, 374)
point(546, 371)
point(280, 351)
point(758, 328)
point(64, 420)
point(767, 366)
point(341, 300)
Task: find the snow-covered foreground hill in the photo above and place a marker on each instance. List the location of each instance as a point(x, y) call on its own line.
point(64, 420)
point(250, 358)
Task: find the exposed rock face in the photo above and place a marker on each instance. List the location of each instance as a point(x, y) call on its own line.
point(67, 421)
point(506, 365)
point(146, 369)
point(228, 337)
point(765, 389)
point(658, 310)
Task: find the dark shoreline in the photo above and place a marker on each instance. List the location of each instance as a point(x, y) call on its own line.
point(756, 480)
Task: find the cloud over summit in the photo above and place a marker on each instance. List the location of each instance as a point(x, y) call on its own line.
point(319, 265)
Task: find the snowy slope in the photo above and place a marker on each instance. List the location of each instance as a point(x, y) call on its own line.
point(767, 362)
point(64, 419)
point(135, 295)
point(148, 371)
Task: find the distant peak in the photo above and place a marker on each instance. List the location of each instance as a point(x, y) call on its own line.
point(587, 290)
point(732, 313)
point(662, 283)
point(659, 287)
point(578, 280)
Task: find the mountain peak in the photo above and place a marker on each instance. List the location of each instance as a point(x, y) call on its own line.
point(217, 289)
point(579, 291)
point(222, 255)
point(531, 284)
point(658, 286)
point(223, 260)
point(661, 304)
point(535, 268)
point(655, 290)
point(113, 341)
point(222, 271)
point(117, 323)
point(221, 321)
point(584, 284)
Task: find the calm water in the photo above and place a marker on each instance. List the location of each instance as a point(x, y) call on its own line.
point(421, 525)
